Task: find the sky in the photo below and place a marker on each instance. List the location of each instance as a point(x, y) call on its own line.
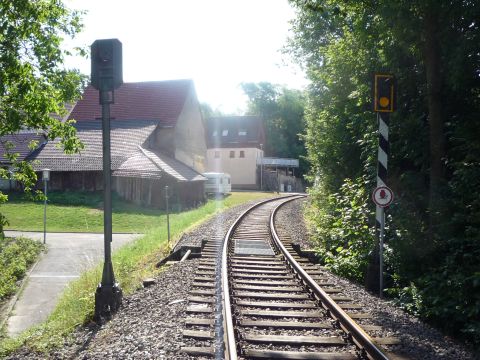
point(217, 43)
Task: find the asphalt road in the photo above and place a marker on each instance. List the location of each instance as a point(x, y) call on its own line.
point(67, 256)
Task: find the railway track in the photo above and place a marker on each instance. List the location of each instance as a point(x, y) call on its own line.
point(255, 297)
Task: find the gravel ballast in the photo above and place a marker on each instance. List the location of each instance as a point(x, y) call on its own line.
point(149, 324)
point(419, 340)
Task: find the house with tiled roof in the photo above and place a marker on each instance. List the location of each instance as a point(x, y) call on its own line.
point(234, 146)
point(157, 139)
point(19, 145)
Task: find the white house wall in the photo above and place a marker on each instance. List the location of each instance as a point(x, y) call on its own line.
point(242, 170)
point(190, 146)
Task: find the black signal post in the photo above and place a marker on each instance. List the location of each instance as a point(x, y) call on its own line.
point(106, 76)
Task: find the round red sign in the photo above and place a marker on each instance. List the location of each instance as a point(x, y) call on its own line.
point(382, 196)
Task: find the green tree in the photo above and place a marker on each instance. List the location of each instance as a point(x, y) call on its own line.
point(434, 166)
point(34, 84)
point(208, 112)
point(282, 112)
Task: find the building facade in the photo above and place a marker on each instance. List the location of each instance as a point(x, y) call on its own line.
point(235, 146)
point(157, 140)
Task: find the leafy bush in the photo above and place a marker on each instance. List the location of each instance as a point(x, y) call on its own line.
point(342, 231)
point(16, 255)
point(76, 198)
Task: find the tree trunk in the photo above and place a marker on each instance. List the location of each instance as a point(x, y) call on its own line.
point(436, 119)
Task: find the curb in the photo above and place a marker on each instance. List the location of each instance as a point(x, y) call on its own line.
point(7, 310)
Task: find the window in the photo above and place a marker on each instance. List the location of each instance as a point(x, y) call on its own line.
point(242, 153)
point(224, 132)
point(242, 132)
point(217, 155)
point(232, 153)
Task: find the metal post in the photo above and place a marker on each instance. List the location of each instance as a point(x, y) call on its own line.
point(109, 295)
point(384, 98)
point(108, 277)
point(106, 75)
point(45, 177)
point(261, 167)
point(168, 215)
point(382, 168)
point(45, 213)
point(380, 250)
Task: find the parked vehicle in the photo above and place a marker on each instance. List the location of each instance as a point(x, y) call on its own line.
point(217, 183)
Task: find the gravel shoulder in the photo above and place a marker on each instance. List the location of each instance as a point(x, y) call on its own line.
point(149, 324)
point(419, 340)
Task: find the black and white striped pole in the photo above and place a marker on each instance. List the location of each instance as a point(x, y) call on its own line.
point(384, 93)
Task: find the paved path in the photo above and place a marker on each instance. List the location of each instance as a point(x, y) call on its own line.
point(67, 256)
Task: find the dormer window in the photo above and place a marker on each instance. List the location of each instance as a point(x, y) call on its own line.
point(242, 132)
point(224, 132)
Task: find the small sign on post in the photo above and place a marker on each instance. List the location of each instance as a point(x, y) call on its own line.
point(382, 196)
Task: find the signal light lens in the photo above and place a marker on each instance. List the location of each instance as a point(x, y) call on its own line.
point(384, 101)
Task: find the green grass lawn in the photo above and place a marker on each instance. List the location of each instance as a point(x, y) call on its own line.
point(82, 212)
point(131, 263)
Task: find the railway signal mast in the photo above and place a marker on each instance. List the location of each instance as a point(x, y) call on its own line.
point(106, 76)
point(384, 103)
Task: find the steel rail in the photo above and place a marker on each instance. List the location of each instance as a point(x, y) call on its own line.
point(359, 336)
point(229, 333)
point(185, 257)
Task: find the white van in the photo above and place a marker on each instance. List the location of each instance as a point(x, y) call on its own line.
point(217, 183)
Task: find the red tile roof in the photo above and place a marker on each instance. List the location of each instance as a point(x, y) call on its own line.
point(154, 100)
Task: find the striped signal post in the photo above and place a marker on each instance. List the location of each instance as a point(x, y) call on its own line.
point(384, 96)
point(383, 150)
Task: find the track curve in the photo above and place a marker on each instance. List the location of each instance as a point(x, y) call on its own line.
point(270, 303)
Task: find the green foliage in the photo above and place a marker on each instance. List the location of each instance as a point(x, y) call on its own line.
point(433, 231)
point(16, 255)
point(208, 112)
point(34, 84)
point(282, 111)
point(451, 294)
point(343, 232)
point(3, 222)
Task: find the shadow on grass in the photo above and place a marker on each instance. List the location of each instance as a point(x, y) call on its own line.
point(88, 199)
point(218, 196)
